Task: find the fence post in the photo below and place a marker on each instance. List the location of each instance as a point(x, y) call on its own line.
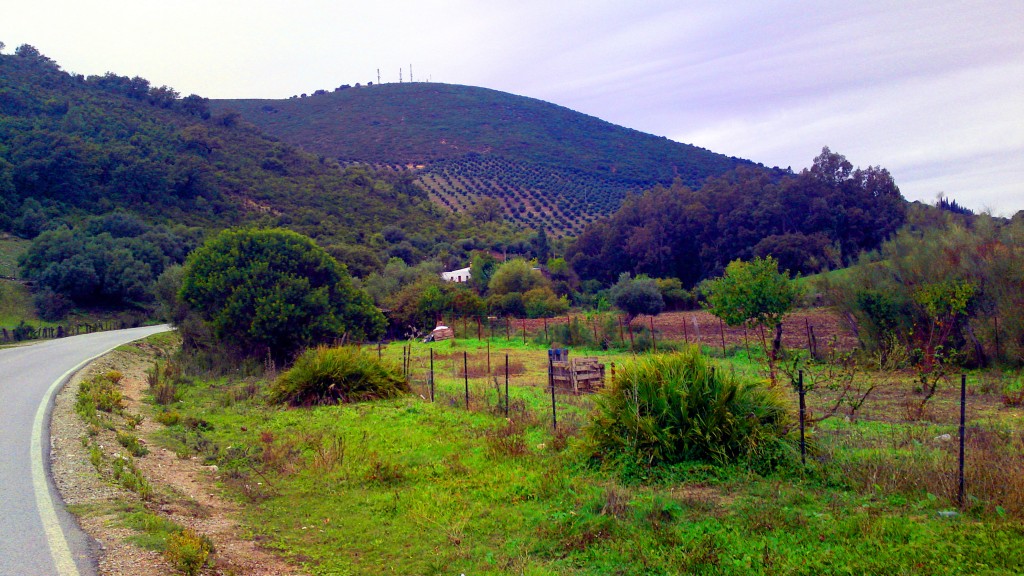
point(431, 374)
point(803, 416)
point(654, 339)
point(551, 382)
point(506, 385)
point(686, 336)
point(465, 373)
point(721, 328)
point(524, 330)
point(963, 432)
point(546, 339)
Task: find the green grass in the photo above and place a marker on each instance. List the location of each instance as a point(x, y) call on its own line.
point(430, 488)
point(16, 304)
point(10, 249)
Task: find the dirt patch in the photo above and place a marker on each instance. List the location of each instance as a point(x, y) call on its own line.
point(186, 491)
point(822, 325)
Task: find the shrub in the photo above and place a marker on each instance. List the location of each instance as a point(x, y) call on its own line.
point(275, 291)
point(674, 408)
point(188, 552)
point(332, 375)
point(132, 444)
point(100, 393)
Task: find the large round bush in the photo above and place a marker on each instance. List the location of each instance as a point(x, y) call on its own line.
point(275, 291)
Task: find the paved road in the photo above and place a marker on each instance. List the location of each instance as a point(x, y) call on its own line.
point(37, 536)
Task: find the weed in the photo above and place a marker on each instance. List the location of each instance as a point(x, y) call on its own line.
point(333, 375)
point(168, 417)
point(507, 440)
point(96, 457)
point(383, 472)
point(132, 444)
point(129, 477)
point(132, 421)
point(188, 552)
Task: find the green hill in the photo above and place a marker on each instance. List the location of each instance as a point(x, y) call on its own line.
point(72, 146)
point(543, 163)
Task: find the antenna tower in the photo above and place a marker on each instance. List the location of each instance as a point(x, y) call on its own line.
point(410, 72)
point(399, 75)
point(378, 75)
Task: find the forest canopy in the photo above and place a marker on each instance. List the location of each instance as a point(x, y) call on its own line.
point(819, 219)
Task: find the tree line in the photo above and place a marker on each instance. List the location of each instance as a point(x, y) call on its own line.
point(819, 219)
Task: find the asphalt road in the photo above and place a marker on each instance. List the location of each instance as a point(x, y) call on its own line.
point(37, 536)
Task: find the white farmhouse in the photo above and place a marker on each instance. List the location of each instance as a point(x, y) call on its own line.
point(460, 275)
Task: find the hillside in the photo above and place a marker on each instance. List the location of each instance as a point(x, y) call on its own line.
point(73, 147)
point(543, 163)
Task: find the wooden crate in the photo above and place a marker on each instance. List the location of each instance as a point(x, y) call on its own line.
point(578, 375)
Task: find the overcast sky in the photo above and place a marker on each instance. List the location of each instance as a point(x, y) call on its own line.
point(933, 91)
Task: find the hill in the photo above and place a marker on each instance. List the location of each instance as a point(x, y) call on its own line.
point(73, 147)
point(543, 164)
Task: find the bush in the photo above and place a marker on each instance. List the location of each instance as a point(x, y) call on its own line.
point(674, 408)
point(332, 375)
point(275, 291)
point(188, 552)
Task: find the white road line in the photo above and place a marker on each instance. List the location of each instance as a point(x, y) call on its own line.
point(59, 549)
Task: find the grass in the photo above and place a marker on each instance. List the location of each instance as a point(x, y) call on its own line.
point(10, 248)
point(16, 304)
point(431, 488)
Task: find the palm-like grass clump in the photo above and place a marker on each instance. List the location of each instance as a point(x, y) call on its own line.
point(337, 375)
point(674, 408)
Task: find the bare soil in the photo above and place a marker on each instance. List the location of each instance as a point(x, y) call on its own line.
point(186, 491)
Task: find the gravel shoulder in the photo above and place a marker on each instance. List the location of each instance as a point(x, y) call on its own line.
point(185, 491)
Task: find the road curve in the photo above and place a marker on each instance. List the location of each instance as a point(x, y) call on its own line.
point(37, 536)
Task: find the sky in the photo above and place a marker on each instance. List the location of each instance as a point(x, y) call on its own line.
point(933, 91)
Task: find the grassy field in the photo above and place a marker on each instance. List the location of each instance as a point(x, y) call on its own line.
point(410, 486)
point(16, 304)
point(10, 249)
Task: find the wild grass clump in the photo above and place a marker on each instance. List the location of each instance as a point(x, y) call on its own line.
point(337, 375)
point(100, 393)
point(188, 552)
point(674, 408)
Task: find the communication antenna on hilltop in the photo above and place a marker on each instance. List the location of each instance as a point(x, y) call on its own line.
point(378, 76)
point(399, 75)
point(410, 72)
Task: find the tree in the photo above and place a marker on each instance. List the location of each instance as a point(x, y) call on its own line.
point(636, 296)
point(540, 245)
point(516, 276)
point(756, 294)
point(275, 291)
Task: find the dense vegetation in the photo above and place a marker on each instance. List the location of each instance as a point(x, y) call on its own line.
point(73, 148)
point(819, 219)
point(548, 165)
point(949, 291)
point(274, 293)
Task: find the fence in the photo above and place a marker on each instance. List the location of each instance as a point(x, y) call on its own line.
point(952, 449)
point(25, 331)
point(801, 330)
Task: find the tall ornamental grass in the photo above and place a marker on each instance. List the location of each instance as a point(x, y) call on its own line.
point(667, 409)
point(337, 375)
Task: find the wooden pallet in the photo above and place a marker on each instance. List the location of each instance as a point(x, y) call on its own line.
point(578, 375)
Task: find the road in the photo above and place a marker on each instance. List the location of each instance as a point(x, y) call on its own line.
point(37, 536)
